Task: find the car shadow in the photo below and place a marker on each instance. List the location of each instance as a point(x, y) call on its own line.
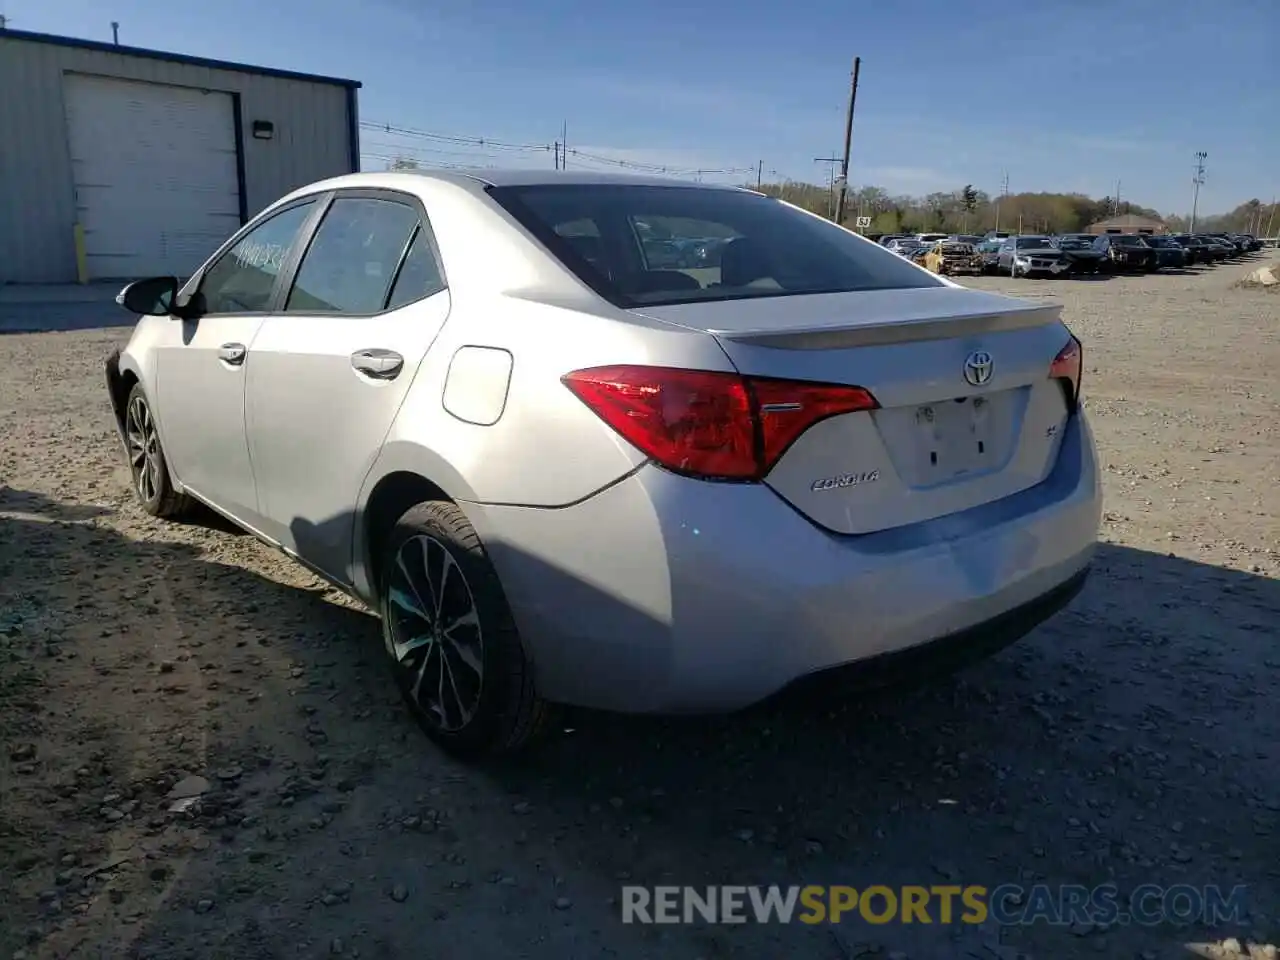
point(1128, 740)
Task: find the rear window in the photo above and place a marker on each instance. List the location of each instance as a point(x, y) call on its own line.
point(650, 245)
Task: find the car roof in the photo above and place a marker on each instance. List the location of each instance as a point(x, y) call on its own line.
point(477, 179)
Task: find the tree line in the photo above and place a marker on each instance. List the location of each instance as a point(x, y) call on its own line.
point(973, 211)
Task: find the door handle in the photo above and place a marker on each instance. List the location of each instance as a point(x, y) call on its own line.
point(378, 364)
point(232, 353)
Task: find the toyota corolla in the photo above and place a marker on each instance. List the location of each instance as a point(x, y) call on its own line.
point(563, 475)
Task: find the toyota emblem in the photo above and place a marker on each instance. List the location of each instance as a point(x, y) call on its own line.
point(977, 368)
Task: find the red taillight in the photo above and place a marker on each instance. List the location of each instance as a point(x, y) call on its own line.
point(1068, 365)
point(707, 424)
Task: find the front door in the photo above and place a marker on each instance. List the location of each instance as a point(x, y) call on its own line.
point(201, 367)
point(330, 370)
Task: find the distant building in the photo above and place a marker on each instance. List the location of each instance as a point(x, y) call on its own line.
point(1129, 223)
point(119, 162)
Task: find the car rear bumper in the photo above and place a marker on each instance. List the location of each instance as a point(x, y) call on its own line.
point(669, 595)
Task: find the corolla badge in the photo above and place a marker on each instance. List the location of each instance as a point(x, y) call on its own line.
point(977, 368)
point(845, 480)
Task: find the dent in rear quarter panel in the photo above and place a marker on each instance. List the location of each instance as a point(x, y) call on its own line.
point(546, 448)
point(590, 589)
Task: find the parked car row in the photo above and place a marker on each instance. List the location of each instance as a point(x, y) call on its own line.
point(1073, 254)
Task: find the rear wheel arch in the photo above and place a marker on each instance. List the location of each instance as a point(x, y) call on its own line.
point(389, 499)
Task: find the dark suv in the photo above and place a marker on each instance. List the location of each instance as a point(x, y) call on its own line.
point(1169, 253)
point(1197, 250)
point(1125, 251)
point(1080, 251)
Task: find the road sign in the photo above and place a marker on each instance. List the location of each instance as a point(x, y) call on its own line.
point(864, 222)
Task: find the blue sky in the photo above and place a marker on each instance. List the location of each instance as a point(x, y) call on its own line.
point(1063, 96)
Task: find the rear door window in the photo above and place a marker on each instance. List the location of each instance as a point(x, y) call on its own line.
point(419, 275)
point(352, 260)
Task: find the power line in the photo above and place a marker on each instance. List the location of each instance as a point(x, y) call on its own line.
point(450, 138)
point(560, 148)
point(424, 152)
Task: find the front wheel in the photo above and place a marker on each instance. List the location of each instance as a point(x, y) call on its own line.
point(451, 639)
point(147, 465)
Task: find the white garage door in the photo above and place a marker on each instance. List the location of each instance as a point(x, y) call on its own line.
point(155, 174)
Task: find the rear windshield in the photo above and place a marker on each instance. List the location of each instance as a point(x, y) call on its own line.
point(1034, 243)
point(650, 245)
point(1128, 240)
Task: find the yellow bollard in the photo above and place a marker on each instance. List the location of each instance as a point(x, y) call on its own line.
point(82, 265)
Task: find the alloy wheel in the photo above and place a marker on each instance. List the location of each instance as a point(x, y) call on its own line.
point(144, 449)
point(434, 634)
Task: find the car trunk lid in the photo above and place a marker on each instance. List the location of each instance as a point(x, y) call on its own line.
point(968, 413)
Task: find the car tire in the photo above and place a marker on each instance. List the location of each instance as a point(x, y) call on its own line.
point(450, 638)
point(148, 468)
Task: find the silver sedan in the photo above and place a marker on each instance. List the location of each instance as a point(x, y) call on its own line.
point(563, 474)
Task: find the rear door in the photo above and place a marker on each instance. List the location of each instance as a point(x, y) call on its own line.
point(330, 370)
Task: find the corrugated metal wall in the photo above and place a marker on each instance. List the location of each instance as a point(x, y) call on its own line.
point(313, 130)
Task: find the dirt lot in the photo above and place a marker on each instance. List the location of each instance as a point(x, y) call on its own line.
point(1135, 738)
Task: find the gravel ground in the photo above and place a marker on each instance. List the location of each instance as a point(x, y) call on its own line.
point(1133, 739)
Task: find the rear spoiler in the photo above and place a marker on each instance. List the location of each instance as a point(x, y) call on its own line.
point(906, 330)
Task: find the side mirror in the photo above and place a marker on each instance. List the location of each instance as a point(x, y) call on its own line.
point(153, 297)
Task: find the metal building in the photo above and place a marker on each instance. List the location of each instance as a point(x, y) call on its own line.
point(118, 162)
point(1128, 223)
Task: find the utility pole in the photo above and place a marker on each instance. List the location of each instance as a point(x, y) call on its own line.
point(3, 22)
point(848, 138)
point(759, 175)
point(1004, 191)
point(556, 147)
point(1197, 181)
point(115, 33)
point(1117, 213)
point(564, 145)
point(831, 182)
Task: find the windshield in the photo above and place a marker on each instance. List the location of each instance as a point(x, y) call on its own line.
point(1034, 243)
point(1074, 243)
point(1127, 240)
point(716, 244)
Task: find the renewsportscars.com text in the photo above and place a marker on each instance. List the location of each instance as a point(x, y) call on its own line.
point(1007, 904)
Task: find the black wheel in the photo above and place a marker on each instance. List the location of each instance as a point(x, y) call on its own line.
point(150, 471)
point(450, 637)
